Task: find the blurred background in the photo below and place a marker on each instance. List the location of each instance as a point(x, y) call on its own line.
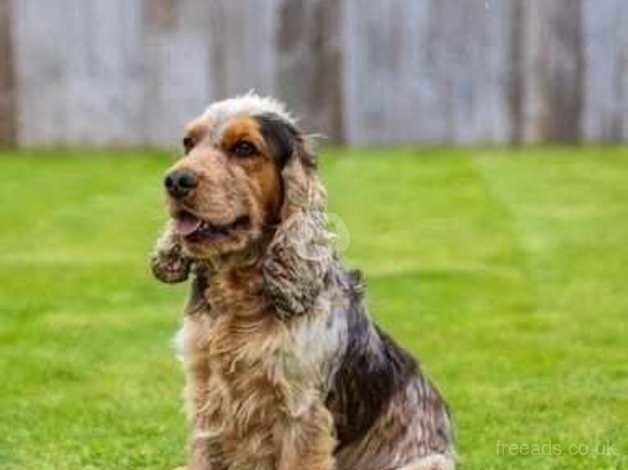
point(129, 73)
point(475, 155)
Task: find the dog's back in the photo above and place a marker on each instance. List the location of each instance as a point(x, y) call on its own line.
point(386, 412)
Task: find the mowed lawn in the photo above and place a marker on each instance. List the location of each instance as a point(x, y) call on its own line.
point(505, 271)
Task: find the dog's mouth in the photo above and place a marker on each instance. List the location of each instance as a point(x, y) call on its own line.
point(194, 229)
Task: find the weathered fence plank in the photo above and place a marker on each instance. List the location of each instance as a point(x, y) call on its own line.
point(243, 46)
point(41, 67)
point(309, 63)
point(7, 79)
point(554, 70)
point(606, 56)
point(177, 67)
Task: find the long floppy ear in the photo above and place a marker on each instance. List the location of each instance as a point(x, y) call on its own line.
point(167, 262)
point(299, 256)
point(303, 190)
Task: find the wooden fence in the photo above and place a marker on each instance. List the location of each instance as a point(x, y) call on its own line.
point(130, 72)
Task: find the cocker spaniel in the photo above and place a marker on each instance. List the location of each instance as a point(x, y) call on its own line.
point(285, 369)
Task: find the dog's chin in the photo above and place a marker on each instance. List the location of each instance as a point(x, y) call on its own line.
point(202, 239)
point(207, 249)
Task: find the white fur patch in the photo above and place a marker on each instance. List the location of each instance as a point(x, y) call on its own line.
point(178, 343)
point(432, 462)
point(251, 104)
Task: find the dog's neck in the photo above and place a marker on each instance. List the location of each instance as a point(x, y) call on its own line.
point(250, 256)
point(237, 291)
point(233, 283)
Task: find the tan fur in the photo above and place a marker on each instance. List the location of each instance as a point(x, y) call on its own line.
point(195, 132)
point(242, 401)
point(261, 171)
point(249, 405)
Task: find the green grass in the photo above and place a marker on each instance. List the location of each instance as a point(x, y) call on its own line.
point(505, 271)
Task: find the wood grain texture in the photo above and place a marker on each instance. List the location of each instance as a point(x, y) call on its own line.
point(516, 86)
point(553, 70)
point(606, 56)
point(89, 72)
point(243, 46)
point(427, 70)
point(8, 128)
point(309, 64)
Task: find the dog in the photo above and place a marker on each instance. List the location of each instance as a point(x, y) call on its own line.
point(284, 367)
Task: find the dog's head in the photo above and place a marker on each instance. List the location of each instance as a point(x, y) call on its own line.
point(245, 170)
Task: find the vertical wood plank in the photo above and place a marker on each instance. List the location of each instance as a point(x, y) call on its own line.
point(243, 37)
point(373, 76)
point(516, 73)
point(470, 42)
point(606, 56)
point(554, 70)
point(309, 64)
point(41, 63)
point(8, 92)
point(177, 76)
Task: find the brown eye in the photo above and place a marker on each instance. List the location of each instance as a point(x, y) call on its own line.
point(243, 149)
point(188, 144)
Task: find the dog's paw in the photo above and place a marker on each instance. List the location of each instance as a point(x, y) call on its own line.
point(167, 261)
point(170, 265)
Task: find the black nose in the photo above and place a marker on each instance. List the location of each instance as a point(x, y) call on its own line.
point(180, 182)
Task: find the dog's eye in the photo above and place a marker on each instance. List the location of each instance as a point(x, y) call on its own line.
point(188, 144)
point(243, 149)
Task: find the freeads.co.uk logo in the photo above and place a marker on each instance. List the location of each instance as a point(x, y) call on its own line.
point(604, 448)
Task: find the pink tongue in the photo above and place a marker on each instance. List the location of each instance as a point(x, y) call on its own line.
point(186, 224)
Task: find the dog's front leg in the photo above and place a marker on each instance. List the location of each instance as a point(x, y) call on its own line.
point(307, 441)
point(203, 450)
point(200, 457)
point(198, 460)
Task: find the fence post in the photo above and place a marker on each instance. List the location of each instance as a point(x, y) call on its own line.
point(8, 109)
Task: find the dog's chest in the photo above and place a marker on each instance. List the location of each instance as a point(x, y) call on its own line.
point(248, 373)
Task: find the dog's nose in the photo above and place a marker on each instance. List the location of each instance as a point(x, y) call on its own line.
point(179, 183)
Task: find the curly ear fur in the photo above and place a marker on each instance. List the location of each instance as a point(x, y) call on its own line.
point(167, 262)
point(300, 252)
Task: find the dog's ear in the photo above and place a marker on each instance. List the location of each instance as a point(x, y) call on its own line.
point(299, 256)
point(302, 189)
